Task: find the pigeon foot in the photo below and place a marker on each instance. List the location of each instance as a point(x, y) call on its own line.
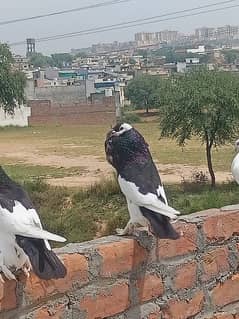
point(26, 268)
point(128, 230)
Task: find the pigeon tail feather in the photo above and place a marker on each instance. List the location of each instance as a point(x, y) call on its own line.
point(45, 263)
point(160, 225)
point(162, 209)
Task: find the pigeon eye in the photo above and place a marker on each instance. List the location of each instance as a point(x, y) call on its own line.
point(121, 128)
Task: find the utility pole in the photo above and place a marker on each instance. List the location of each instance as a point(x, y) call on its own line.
point(118, 106)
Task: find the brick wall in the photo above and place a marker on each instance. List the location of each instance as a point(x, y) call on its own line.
point(121, 278)
point(45, 112)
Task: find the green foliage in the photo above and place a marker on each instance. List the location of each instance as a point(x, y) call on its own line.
point(38, 60)
point(56, 60)
point(202, 197)
point(131, 118)
point(201, 103)
point(12, 82)
point(61, 59)
point(143, 91)
point(172, 56)
point(231, 56)
point(82, 214)
point(85, 214)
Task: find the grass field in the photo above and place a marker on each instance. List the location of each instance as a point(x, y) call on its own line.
point(31, 155)
point(26, 146)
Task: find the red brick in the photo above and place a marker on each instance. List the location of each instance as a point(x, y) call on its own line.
point(226, 293)
point(155, 315)
point(221, 226)
point(184, 309)
point(149, 287)
point(122, 256)
point(8, 299)
point(44, 313)
point(77, 271)
point(215, 262)
point(186, 276)
point(222, 316)
point(186, 244)
point(107, 302)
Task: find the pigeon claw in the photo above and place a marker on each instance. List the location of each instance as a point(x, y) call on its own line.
point(7, 273)
point(26, 268)
point(128, 230)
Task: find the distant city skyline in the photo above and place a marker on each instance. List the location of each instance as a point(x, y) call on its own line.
point(117, 13)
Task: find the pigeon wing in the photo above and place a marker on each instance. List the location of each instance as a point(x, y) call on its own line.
point(17, 213)
point(141, 184)
point(25, 222)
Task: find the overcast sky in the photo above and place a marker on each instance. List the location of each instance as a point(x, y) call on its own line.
point(135, 9)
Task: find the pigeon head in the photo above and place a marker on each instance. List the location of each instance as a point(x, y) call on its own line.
point(124, 144)
point(237, 145)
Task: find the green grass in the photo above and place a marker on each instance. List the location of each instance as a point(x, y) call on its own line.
point(73, 141)
point(79, 215)
point(20, 172)
point(201, 197)
point(84, 214)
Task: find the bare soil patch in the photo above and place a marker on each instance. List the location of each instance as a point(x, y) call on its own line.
point(94, 168)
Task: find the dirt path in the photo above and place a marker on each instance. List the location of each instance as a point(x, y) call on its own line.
point(95, 168)
point(170, 173)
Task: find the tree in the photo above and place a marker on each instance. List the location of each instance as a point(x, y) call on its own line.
point(12, 82)
point(143, 92)
point(38, 60)
point(201, 103)
point(61, 59)
point(231, 56)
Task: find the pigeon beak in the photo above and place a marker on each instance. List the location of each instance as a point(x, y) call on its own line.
point(113, 133)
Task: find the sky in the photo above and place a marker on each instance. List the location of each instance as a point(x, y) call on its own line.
point(117, 13)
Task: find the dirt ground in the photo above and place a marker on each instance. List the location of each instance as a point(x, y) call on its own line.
point(95, 169)
point(170, 173)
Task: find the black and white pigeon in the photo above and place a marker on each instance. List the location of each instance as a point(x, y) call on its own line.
point(127, 151)
point(23, 243)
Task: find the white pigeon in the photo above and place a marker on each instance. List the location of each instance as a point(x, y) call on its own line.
point(235, 163)
point(235, 174)
point(127, 151)
point(23, 243)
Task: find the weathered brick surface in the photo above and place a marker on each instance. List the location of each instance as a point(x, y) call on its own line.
point(226, 293)
point(186, 244)
point(155, 315)
point(185, 276)
point(121, 257)
point(8, 298)
point(149, 287)
point(106, 302)
point(183, 309)
point(222, 316)
point(221, 226)
point(77, 271)
point(215, 262)
point(117, 278)
point(57, 312)
point(45, 112)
